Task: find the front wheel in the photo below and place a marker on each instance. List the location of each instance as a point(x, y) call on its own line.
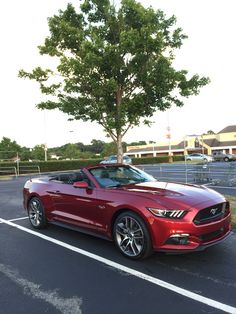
point(226, 159)
point(131, 236)
point(36, 213)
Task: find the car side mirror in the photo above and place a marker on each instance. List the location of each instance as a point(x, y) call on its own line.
point(80, 185)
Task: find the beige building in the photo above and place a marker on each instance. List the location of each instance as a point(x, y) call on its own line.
point(224, 141)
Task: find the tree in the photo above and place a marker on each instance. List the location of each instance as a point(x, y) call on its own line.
point(96, 146)
point(210, 132)
point(109, 149)
point(38, 152)
point(72, 151)
point(138, 143)
point(8, 148)
point(25, 154)
point(115, 65)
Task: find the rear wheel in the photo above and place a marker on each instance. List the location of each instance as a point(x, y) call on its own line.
point(226, 159)
point(36, 213)
point(131, 236)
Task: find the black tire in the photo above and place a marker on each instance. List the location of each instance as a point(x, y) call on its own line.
point(36, 213)
point(131, 236)
point(226, 159)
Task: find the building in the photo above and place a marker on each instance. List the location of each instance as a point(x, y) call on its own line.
point(224, 141)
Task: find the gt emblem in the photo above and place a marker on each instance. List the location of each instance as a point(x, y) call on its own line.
point(213, 211)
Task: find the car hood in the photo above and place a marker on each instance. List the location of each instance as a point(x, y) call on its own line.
point(174, 194)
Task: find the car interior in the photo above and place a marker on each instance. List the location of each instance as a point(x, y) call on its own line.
point(70, 178)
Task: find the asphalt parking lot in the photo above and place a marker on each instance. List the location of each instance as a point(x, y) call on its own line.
point(62, 271)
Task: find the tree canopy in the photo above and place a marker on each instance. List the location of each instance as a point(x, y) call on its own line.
point(114, 65)
point(8, 148)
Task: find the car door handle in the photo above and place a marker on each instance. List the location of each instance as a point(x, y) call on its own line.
point(101, 206)
point(54, 192)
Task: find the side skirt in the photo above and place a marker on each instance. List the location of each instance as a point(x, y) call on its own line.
point(78, 229)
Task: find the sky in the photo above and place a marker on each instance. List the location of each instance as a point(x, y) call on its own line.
point(210, 50)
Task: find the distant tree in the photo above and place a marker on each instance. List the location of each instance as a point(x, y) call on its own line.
point(96, 146)
point(8, 148)
point(137, 143)
point(81, 146)
point(72, 151)
point(210, 132)
point(38, 152)
point(109, 149)
point(115, 65)
point(25, 154)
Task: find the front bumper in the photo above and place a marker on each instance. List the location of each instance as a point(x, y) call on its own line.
point(191, 237)
point(200, 247)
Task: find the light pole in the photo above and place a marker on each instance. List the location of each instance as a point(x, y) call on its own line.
point(202, 144)
point(45, 152)
point(168, 135)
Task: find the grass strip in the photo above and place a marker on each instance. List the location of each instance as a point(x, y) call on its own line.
point(232, 200)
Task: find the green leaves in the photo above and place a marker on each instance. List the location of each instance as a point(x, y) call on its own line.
point(115, 67)
point(37, 74)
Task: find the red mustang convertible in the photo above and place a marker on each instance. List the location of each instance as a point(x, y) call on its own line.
point(124, 204)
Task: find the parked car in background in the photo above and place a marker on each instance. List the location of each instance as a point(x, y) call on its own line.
point(220, 156)
point(113, 160)
point(198, 157)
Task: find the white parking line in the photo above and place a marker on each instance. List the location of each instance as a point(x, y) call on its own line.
point(186, 293)
point(16, 219)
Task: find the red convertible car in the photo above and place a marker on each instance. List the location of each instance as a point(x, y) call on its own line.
point(124, 204)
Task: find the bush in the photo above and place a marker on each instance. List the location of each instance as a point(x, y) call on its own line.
point(52, 165)
point(155, 160)
point(63, 165)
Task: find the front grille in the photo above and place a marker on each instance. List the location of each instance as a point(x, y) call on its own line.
point(212, 213)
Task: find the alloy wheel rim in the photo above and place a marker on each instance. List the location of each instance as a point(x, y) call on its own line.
point(130, 236)
point(35, 213)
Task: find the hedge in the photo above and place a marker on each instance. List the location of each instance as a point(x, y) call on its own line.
point(155, 160)
point(64, 165)
point(49, 166)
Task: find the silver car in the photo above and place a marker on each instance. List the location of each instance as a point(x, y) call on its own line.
point(113, 160)
point(198, 157)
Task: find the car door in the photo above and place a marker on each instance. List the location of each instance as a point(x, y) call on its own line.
point(77, 206)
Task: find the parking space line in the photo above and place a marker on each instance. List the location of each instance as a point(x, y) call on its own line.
point(16, 219)
point(186, 293)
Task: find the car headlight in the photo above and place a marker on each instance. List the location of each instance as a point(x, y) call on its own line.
point(166, 213)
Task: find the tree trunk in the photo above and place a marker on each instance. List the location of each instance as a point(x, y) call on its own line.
point(119, 149)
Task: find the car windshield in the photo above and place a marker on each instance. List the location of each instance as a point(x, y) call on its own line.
point(109, 176)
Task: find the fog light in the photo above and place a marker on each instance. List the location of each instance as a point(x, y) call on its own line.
point(178, 239)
